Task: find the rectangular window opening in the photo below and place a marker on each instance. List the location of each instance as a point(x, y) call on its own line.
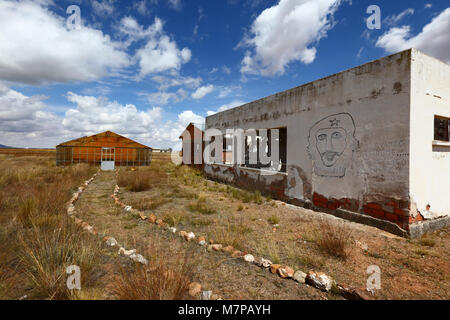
point(441, 129)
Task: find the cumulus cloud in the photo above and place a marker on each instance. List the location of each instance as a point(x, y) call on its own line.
point(95, 114)
point(24, 118)
point(188, 116)
point(202, 91)
point(233, 104)
point(287, 32)
point(433, 39)
point(36, 47)
point(160, 53)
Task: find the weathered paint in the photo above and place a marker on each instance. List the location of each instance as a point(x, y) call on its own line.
point(369, 110)
point(89, 150)
point(429, 164)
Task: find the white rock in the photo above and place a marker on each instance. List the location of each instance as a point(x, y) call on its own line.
point(70, 209)
point(138, 258)
point(202, 242)
point(249, 258)
point(190, 236)
point(206, 295)
point(266, 263)
point(111, 242)
point(127, 208)
point(173, 230)
point(362, 245)
point(126, 252)
point(299, 276)
point(319, 280)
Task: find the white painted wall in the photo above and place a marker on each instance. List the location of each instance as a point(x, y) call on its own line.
point(429, 170)
point(377, 98)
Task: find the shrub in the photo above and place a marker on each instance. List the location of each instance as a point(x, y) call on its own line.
point(46, 255)
point(165, 278)
point(273, 219)
point(201, 206)
point(135, 181)
point(333, 239)
point(427, 242)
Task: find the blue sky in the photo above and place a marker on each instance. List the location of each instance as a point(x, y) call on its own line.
point(147, 68)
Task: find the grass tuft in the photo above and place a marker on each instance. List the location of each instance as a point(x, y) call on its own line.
point(333, 239)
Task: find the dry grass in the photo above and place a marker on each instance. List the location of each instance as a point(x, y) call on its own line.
point(37, 241)
point(46, 255)
point(166, 277)
point(334, 239)
point(201, 206)
point(231, 233)
point(135, 181)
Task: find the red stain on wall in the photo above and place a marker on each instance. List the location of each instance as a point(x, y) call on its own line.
point(396, 211)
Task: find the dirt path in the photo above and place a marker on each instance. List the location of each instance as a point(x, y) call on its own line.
point(231, 278)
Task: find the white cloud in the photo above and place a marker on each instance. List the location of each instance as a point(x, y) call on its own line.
point(428, 5)
point(395, 19)
point(27, 122)
point(233, 104)
point(358, 55)
point(103, 8)
point(227, 90)
point(175, 4)
point(160, 52)
point(141, 7)
point(188, 116)
point(202, 91)
point(36, 47)
point(95, 114)
point(433, 39)
point(24, 119)
point(226, 70)
point(166, 82)
point(163, 98)
point(287, 32)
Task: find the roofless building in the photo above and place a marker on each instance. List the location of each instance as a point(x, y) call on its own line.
point(107, 149)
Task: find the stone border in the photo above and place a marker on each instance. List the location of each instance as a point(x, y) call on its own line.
point(315, 279)
point(194, 288)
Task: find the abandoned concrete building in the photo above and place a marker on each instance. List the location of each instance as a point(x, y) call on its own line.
point(370, 144)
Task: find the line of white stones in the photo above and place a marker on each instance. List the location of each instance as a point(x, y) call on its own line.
point(110, 241)
point(195, 289)
point(318, 280)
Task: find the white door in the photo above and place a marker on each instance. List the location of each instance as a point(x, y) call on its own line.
point(108, 159)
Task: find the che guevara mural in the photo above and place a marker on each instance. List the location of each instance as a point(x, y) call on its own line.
point(331, 143)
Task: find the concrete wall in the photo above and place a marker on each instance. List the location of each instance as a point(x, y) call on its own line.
point(429, 165)
point(368, 107)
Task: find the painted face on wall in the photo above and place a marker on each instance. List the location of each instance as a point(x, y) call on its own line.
point(331, 143)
